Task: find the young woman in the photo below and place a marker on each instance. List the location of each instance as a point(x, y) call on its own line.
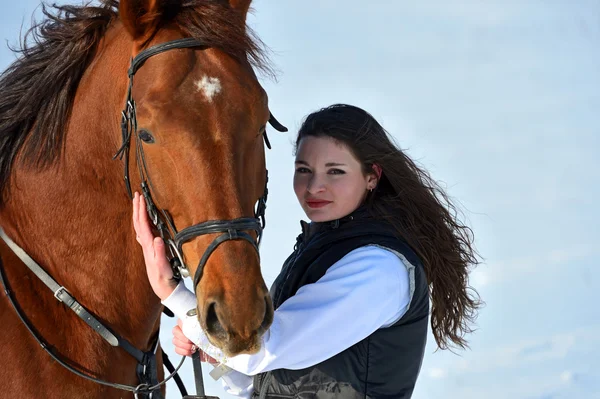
point(352, 300)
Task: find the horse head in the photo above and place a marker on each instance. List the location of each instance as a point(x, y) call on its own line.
point(197, 116)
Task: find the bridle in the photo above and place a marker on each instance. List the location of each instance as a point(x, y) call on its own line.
point(232, 230)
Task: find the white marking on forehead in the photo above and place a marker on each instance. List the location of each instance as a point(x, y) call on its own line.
point(209, 87)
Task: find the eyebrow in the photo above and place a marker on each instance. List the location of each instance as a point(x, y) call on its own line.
point(328, 164)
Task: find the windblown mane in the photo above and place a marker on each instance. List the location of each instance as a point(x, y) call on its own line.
point(37, 90)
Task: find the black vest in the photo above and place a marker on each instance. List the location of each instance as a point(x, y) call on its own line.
point(383, 365)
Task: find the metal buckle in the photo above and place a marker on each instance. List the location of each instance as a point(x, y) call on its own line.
point(59, 291)
point(183, 270)
point(141, 389)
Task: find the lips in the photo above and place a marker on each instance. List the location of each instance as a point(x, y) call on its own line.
point(317, 203)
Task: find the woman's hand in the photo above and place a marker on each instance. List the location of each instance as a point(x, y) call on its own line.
point(158, 268)
point(185, 347)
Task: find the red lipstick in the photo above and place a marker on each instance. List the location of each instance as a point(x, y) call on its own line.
point(317, 203)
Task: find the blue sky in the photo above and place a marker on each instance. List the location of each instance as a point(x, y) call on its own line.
point(499, 100)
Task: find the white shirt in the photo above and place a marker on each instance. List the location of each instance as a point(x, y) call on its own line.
point(369, 288)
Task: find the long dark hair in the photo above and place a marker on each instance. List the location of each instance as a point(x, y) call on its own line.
point(419, 209)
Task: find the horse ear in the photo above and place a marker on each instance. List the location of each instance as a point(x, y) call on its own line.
point(140, 17)
point(241, 5)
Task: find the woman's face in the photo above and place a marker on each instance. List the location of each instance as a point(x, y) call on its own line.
point(329, 181)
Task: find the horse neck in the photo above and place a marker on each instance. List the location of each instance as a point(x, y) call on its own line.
point(74, 218)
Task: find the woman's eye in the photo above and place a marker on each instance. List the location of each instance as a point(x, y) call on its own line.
point(302, 170)
point(336, 172)
point(146, 137)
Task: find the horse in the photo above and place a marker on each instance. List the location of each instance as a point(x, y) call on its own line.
point(195, 115)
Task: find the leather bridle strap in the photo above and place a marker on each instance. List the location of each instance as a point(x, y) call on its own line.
point(232, 231)
point(139, 59)
point(62, 295)
point(216, 226)
point(128, 119)
point(171, 369)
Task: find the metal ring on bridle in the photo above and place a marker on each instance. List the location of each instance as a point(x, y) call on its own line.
point(175, 251)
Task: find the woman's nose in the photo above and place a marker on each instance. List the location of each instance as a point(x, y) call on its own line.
point(315, 184)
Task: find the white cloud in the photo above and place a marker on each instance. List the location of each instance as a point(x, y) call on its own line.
point(437, 373)
point(498, 271)
point(567, 376)
point(551, 366)
point(527, 352)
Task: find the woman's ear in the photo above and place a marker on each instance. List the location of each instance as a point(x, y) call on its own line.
point(374, 176)
point(377, 170)
point(372, 181)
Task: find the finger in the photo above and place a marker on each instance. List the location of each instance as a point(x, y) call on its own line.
point(136, 216)
point(143, 216)
point(144, 229)
point(184, 345)
point(185, 350)
point(182, 352)
point(177, 330)
point(180, 324)
point(163, 265)
point(189, 346)
point(177, 333)
point(159, 248)
point(135, 210)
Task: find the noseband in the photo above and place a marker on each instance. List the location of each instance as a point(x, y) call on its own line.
point(234, 229)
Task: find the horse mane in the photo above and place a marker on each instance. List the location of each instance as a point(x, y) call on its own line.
point(38, 88)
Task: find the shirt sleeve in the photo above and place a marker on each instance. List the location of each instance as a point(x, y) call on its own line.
point(365, 290)
point(238, 384)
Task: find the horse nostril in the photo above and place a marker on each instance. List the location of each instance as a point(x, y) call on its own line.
point(213, 325)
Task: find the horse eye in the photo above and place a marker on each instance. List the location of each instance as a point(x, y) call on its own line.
point(146, 137)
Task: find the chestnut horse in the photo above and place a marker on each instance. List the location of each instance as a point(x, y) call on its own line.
point(200, 117)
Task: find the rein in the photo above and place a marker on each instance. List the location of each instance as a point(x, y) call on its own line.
point(231, 229)
point(146, 369)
